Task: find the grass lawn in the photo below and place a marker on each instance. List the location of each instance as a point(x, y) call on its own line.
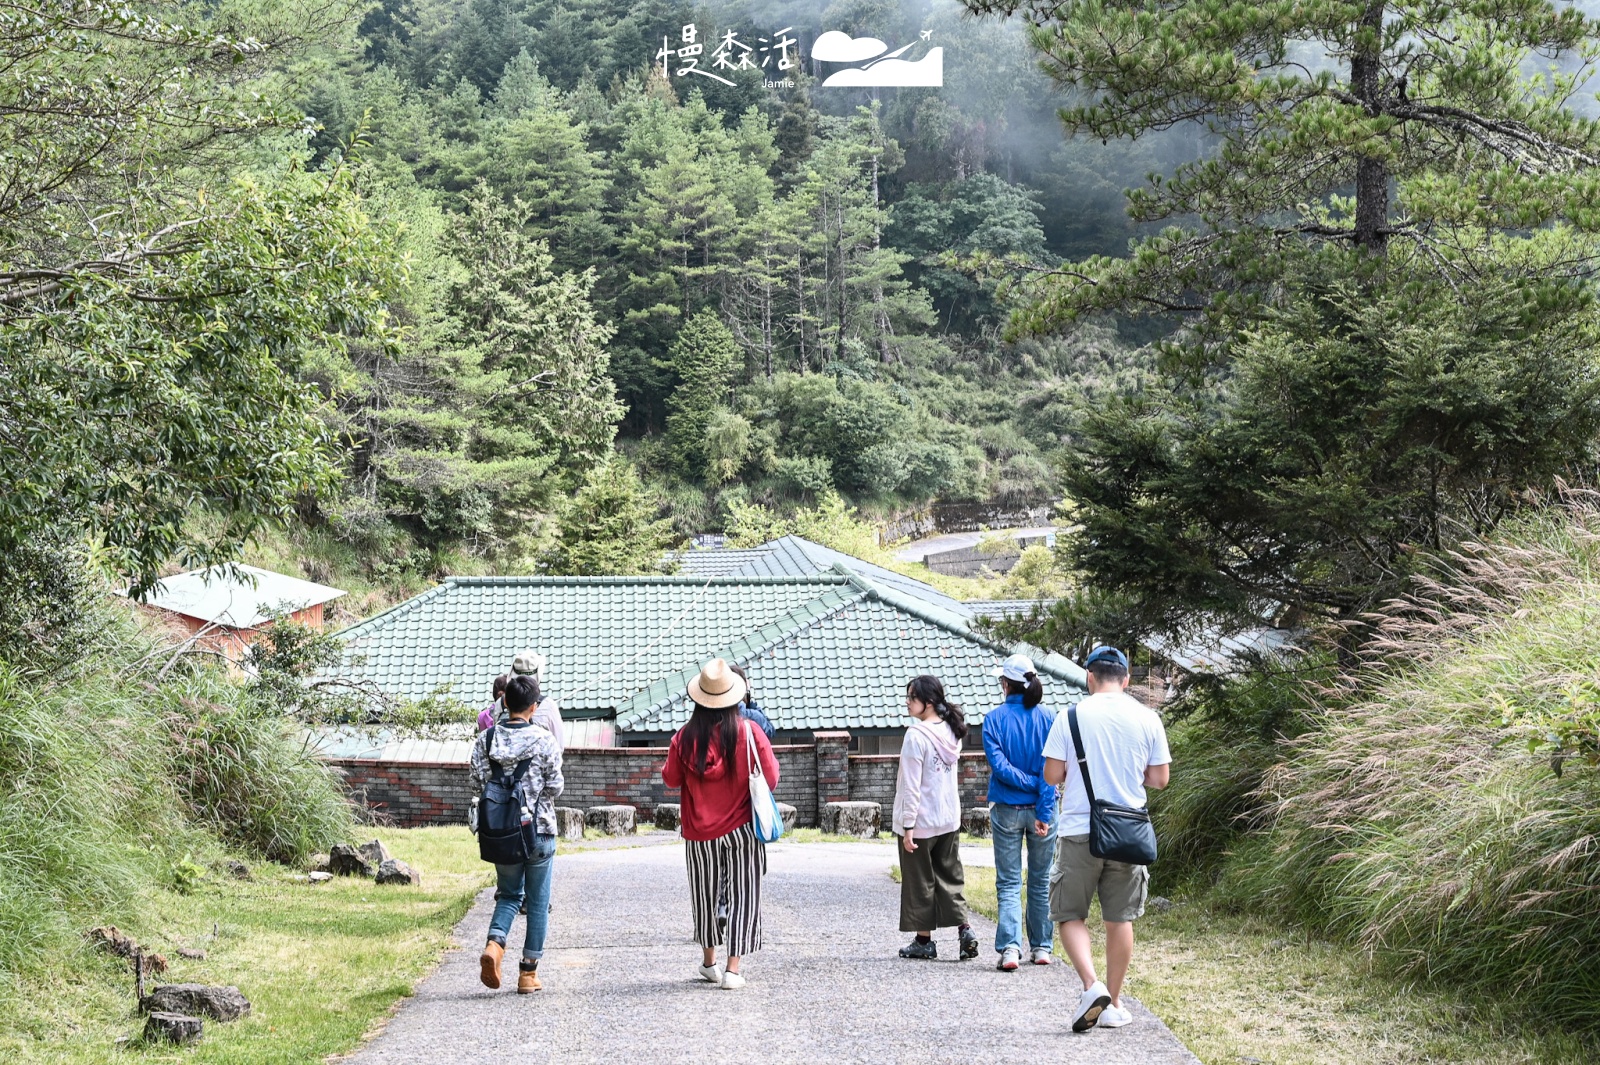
point(319, 962)
point(1241, 990)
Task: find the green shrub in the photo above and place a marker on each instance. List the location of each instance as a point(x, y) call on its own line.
point(112, 780)
point(1417, 822)
point(87, 817)
point(242, 769)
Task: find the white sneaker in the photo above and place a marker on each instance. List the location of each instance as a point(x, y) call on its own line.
point(1090, 1005)
point(1113, 1017)
point(711, 974)
point(732, 981)
point(1041, 956)
point(1010, 958)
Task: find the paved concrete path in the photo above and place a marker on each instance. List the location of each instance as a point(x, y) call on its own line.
point(620, 985)
point(916, 549)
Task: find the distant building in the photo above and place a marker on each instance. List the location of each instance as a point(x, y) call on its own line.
point(829, 641)
point(225, 608)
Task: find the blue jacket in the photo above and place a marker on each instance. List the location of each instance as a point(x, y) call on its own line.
point(752, 713)
point(1013, 741)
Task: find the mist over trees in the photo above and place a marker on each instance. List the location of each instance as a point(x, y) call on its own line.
point(1383, 277)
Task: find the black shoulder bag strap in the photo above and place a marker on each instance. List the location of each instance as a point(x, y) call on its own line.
point(1077, 748)
point(1116, 833)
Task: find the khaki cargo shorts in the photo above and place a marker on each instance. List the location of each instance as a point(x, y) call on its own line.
point(1079, 874)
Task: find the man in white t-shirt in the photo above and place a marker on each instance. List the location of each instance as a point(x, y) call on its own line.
point(1125, 746)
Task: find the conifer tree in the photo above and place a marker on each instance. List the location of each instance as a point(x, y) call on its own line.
point(1387, 334)
point(703, 359)
point(610, 526)
point(1369, 124)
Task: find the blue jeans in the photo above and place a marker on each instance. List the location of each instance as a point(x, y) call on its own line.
point(530, 881)
point(1010, 825)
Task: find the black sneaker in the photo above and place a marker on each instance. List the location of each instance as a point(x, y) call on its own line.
point(969, 945)
point(922, 951)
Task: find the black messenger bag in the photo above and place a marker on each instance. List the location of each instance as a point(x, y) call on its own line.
point(1117, 833)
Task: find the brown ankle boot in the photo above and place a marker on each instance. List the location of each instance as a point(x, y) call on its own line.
point(528, 981)
point(489, 964)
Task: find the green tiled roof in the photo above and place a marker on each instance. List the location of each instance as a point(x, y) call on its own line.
point(605, 637)
point(827, 650)
point(847, 668)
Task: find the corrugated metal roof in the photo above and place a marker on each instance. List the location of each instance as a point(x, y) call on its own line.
point(240, 596)
point(1215, 651)
point(1005, 608)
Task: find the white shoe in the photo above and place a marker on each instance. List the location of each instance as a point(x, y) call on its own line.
point(1010, 958)
point(1113, 1017)
point(1090, 1005)
point(711, 974)
point(732, 981)
point(1041, 956)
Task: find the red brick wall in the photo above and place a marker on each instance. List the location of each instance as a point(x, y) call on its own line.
point(424, 793)
point(872, 778)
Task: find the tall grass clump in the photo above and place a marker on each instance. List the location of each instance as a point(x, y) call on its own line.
point(87, 815)
point(1437, 817)
point(115, 779)
point(244, 771)
point(1226, 737)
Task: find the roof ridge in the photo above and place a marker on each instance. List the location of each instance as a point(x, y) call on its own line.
point(769, 635)
point(1048, 660)
point(533, 580)
point(404, 606)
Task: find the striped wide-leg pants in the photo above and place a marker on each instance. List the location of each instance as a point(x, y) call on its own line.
point(729, 867)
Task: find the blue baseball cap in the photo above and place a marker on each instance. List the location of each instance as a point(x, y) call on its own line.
point(1109, 655)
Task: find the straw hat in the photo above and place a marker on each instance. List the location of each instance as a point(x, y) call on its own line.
point(717, 687)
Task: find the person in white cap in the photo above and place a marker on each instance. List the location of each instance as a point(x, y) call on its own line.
point(1021, 809)
point(710, 761)
point(531, 664)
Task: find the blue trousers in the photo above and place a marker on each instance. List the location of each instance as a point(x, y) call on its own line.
point(1011, 826)
point(530, 881)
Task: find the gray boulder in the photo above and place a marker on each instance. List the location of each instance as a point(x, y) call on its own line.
point(374, 852)
point(612, 820)
point(668, 815)
point(164, 1027)
point(569, 822)
point(852, 819)
point(319, 863)
point(218, 1003)
point(319, 876)
point(345, 860)
point(789, 815)
point(394, 871)
point(975, 821)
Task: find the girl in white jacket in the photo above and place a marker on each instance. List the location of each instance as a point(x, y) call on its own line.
point(927, 818)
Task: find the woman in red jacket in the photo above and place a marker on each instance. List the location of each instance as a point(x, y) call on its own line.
point(710, 762)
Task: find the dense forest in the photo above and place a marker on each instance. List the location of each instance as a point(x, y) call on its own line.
point(769, 294)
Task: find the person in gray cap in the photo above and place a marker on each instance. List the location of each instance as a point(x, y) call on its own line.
point(531, 664)
point(1125, 750)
